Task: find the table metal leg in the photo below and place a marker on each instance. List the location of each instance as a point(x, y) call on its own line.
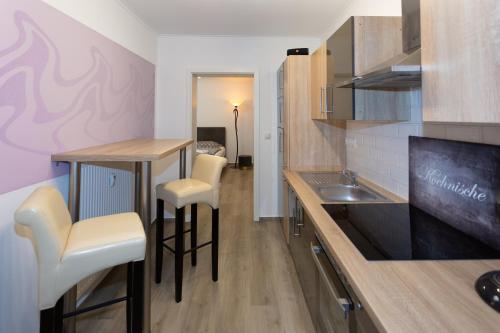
point(143, 208)
point(182, 164)
point(74, 210)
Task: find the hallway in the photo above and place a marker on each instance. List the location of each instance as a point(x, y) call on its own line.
point(258, 289)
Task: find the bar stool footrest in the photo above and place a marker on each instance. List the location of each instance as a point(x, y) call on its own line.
point(173, 236)
point(198, 247)
point(190, 250)
point(95, 307)
point(169, 248)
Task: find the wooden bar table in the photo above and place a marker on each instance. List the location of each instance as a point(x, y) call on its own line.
point(141, 152)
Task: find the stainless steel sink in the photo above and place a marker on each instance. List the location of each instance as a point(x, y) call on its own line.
point(347, 193)
point(335, 187)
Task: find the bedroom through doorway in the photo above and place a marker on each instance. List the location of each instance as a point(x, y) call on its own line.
point(223, 124)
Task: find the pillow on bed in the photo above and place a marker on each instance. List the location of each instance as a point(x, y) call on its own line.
point(210, 147)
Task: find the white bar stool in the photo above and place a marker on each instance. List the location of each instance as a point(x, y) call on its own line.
point(67, 253)
point(202, 187)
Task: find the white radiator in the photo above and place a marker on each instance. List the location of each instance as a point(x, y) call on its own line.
point(103, 191)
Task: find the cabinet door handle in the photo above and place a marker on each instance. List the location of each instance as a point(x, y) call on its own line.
point(301, 216)
point(296, 228)
point(328, 90)
point(321, 100)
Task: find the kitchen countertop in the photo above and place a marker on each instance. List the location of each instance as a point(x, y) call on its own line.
point(405, 296)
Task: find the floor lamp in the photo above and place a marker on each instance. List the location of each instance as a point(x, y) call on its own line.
point(236, 115)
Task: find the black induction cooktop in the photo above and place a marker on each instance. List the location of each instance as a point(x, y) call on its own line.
point(393, 231)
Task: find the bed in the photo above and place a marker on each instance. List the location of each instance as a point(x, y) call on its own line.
point(211, 140)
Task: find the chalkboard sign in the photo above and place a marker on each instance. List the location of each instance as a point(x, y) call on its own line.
point(459, 183)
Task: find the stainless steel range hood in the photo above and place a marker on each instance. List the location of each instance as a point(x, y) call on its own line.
point(401, 72)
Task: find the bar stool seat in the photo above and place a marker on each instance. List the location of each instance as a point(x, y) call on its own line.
point(99, 243)
point(183, 192)
point(202, 187)
point(67, 253)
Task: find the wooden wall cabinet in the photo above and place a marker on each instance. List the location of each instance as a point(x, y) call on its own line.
point(358, 46)
point(318, 83)
point(376, 40)
point(460, 61)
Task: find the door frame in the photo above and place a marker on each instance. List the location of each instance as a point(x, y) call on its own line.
point(256, 120)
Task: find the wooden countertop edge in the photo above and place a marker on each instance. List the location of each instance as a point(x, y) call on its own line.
point(395, 296)
point(83, 155)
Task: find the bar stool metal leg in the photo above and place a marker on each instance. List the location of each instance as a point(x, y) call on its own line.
point(215, 244)
point(58, 315)
point(51, 320)
point(47, 320)
point(75, 171)
point(130, 295)
point(194, 232)
point(160, 221)
point(179, 252)
point(138, 297)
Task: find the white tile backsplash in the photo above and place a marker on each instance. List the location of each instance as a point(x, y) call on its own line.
point(380, 150)
point(382, 155)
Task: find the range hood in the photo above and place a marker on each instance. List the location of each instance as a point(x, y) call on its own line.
point(401, 72)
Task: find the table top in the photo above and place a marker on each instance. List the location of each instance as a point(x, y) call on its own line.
point(136, 150)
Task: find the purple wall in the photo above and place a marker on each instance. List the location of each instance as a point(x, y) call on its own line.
point(62, 87)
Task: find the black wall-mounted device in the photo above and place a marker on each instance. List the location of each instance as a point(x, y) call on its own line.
point(300, 51)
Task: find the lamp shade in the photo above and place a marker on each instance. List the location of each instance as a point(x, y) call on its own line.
point(235, 102)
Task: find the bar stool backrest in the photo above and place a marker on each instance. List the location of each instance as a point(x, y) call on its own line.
point(208, 169)
point(46, 214)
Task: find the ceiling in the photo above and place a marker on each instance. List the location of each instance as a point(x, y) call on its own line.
point(238, 17)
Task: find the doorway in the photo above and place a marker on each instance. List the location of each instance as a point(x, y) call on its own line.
point(223, 111)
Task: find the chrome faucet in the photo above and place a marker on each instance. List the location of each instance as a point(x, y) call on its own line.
point(351, 175)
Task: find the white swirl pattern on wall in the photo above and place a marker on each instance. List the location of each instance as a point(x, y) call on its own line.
point(48, 105)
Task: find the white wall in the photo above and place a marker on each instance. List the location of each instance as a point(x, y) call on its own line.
point(18, 286)
point(18, 283)
point(180, 55)
point(214, 109)
point(364, 8)
point(114, 20)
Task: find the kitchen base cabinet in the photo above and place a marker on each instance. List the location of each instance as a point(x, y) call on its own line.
point(286, 214)
point(301, 235)
point(333, 305)
point(338, 309)
point(363, 323)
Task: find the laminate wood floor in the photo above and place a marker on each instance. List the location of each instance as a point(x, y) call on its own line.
point(258, 289)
